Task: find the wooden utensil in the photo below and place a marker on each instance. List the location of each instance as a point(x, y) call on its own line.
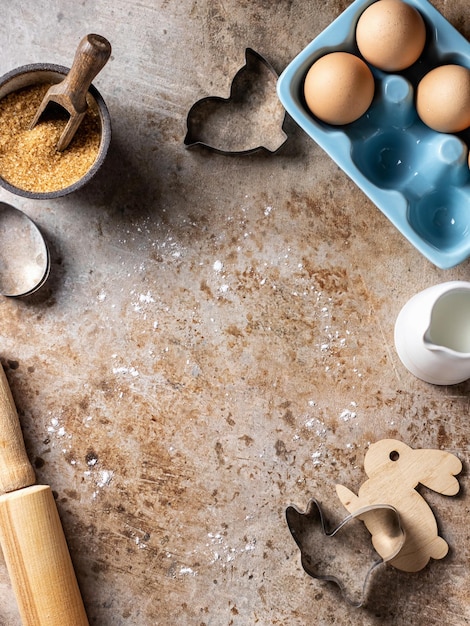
point(31, 534)
point(91, 56)
point(394, 471)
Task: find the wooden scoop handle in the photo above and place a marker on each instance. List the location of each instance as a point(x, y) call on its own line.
point(91, 56)
point(16, 471)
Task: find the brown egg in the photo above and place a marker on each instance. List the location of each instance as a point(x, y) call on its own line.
point(443, 98)
point(339, 88)
point(391, 35)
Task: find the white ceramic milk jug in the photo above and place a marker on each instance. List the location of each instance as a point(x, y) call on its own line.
point(432, 333)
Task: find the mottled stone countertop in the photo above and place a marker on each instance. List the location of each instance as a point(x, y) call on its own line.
point(215, 341)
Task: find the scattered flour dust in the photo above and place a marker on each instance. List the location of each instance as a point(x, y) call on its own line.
point(105, 477)
point(218, 267)
point(131, 371)
point(141, 302)
point(220, 553)
point(58, 434)
point(146, 298)
point(317, 426)
point(101, 477)
point(124, 371)
point(187, 571)
point(139, 543)
point(138, 536)
point(349, 414)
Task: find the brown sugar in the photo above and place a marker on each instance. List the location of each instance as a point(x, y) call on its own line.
point(29, 159)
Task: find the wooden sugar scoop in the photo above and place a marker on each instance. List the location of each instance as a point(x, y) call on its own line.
point(31, 535)
point(91, 56)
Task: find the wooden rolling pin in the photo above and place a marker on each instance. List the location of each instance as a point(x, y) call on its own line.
point(31, 534)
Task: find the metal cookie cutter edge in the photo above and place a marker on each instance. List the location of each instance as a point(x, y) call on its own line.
point(313, 503)
point(23, 286)
point(189, 143)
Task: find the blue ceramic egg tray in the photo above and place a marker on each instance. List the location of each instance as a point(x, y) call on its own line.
point(417, 177)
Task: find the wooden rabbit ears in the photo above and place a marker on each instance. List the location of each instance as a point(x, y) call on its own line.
point(435, 469)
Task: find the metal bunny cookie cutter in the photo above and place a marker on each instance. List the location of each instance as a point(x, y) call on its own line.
point(343, 554)
point(250, 119)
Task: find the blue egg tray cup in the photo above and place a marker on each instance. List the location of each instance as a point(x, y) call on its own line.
point(419, 178)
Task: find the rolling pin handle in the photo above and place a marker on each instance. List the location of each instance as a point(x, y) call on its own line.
point(16, 471)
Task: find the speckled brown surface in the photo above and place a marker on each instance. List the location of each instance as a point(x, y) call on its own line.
point(215, 341)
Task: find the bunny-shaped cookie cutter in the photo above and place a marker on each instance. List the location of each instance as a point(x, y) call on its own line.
point(358, 560)
point(250, 120)
point(394, 470)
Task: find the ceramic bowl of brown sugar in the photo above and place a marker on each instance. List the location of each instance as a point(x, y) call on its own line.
point(30, 163)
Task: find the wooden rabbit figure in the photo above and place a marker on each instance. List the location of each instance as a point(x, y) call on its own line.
point(394, 470)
